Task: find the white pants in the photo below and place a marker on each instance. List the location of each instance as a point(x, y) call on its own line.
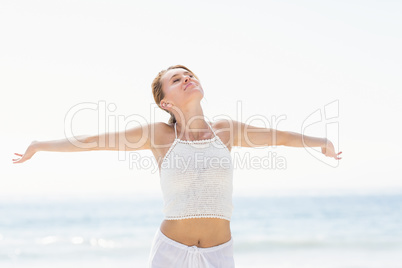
point(166, 253)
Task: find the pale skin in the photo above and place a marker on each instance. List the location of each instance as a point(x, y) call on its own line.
point(183, 93)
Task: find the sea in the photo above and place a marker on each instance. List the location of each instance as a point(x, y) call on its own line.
point(332, 231)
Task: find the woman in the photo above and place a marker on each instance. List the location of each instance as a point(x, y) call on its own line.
point(195, 167)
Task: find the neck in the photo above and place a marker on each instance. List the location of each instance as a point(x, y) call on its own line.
point(191, 122)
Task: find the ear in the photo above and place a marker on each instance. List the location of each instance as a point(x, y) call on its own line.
point(164, 104)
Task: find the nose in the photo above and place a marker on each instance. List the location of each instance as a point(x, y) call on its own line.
point(186, 79)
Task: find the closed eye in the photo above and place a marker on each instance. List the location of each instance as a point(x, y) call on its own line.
point(174, 81)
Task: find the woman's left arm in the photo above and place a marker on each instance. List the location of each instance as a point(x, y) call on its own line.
point(244, 135)
point(294, 139)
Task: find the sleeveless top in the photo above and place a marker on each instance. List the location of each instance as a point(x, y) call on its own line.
point(196, 179)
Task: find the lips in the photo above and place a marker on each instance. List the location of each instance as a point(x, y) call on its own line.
point(189, 84)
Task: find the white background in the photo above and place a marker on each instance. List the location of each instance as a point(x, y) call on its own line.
point(277, 58)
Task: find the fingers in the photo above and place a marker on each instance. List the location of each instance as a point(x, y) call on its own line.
point(17, 160)
point(336, 156)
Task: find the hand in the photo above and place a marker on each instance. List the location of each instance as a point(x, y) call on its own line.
point(329, 150)
point(31, 150)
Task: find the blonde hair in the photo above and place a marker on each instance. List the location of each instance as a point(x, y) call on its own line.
point(157, 88)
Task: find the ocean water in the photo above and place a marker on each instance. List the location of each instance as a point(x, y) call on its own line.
point(342, 231)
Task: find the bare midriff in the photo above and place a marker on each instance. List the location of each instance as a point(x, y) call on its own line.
point(200, 232)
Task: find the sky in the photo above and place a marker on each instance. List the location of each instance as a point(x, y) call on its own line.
point(322, 68)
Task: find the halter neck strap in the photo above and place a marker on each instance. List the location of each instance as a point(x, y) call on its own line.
point(211, 128)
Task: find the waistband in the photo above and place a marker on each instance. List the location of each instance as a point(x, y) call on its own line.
point(166, 239)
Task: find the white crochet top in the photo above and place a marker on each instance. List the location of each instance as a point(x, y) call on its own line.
point(196, 179)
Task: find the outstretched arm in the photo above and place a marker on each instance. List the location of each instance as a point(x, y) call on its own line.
point(298, 140)
point(136, 138)
point(62, 145)
point(250, 136)
point(294, 139)
point(73, 144)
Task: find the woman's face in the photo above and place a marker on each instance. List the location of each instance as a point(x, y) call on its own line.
point(180, 87)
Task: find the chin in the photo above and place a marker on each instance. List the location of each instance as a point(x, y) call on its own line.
point(196, 94)
point(199, 92)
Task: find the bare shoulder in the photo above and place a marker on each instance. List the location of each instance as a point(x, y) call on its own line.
point(161, 139)
point(232, 132)
point(162, 126)
point(161, 134)
point(224, 125)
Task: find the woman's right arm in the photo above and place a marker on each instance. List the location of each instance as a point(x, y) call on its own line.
point(136, 138)
point(74, 144)
point(63, 145)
